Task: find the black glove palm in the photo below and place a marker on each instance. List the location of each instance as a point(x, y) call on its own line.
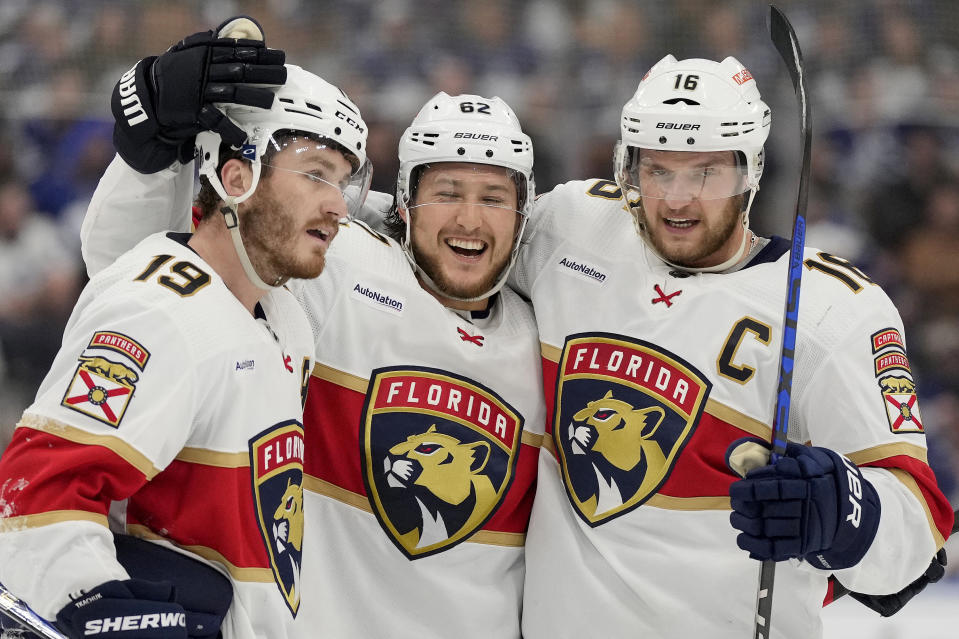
point(163, 102)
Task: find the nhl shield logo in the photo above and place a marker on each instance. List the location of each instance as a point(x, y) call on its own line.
point(439, 453)
point(624, 411)
point(276, 468)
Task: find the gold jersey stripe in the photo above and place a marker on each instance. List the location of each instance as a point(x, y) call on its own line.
point(71, 433)
point(494, 538)
point(550, 352)
point(740, 420)
point(213, 458)
point(323, 487)
point(689, 503)
point(340, 378)
point(22, 522)
point(258, 575)
point(910, 483)
point(532, 439)
point(884, 451)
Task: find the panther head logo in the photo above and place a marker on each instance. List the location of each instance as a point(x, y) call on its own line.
point(288, 518)
point(444, 477)
point(616, 434)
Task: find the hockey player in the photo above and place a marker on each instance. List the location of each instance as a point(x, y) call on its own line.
point(424, 413)
point(174, 406)
point(660, 317)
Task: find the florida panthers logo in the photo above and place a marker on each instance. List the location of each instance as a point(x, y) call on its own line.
point(439, 453)
point(445, 478)
point(624, 410)
point(276, 468)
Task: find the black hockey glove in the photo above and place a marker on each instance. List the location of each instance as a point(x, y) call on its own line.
point(812, 504)
point(128, 609)
point(163, 102)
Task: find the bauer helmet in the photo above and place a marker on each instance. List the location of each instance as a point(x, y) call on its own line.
point(695, 105)
point(306, 110)
point(468, 129)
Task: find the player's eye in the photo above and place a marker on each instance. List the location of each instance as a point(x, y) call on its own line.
point(427, 449)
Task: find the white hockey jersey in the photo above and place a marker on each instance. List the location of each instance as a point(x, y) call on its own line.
point(650, 373)
point(422, 427)
point(176, 415)
point(423, 430)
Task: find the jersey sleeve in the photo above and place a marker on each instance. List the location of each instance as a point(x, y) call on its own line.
point(128, 206)
point(114, 410)
point(534, 246)
point(860, 400)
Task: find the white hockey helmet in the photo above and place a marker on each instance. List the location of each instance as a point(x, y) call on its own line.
point(695, 105)
point(306, 106)
point(471, 129)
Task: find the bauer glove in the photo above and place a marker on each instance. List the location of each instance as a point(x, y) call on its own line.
point(812, 504)
point(161, 104)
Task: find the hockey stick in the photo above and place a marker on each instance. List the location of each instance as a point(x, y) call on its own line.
point(784, 38)
point(15, 609)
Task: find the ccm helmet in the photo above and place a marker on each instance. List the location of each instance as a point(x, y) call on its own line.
point(306, 109)
point(471, 129)
point(695, 105)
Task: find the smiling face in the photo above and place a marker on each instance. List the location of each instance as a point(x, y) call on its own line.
point(289, 221)
point(691, 205)
point(463, 224)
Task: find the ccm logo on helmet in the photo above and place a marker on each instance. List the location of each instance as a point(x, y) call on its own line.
point(353, 123)
point(475, 136)
point(684, 126)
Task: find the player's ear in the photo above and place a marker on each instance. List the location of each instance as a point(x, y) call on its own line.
point(403, 213)
point(236, 176)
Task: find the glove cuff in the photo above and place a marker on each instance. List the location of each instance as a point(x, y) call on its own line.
point(858, 517)
point(136, 132)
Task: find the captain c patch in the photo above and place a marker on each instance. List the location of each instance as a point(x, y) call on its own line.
point(902, 405)
point(439, 453)
point(624, 410)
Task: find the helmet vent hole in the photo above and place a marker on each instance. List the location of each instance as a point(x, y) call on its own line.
point(287, 100)
point(314, 107)
point(683, 100)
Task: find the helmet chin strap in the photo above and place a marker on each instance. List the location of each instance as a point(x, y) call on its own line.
point(232, 219)
point(736, 257)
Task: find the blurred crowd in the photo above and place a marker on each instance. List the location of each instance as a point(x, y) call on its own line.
point(883, 78)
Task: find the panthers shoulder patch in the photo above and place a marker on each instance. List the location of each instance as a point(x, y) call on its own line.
point(102, 386)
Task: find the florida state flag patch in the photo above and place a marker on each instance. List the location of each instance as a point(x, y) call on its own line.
point(439, 453)
point(101, 388)
point(902, 405)
point(625, 409)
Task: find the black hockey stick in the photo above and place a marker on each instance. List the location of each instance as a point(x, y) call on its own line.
point(14, 608)
point(784, 39)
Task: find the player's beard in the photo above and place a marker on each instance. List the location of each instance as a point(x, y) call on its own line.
point(271, 235)
point(433, 268)
point(713, 240)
